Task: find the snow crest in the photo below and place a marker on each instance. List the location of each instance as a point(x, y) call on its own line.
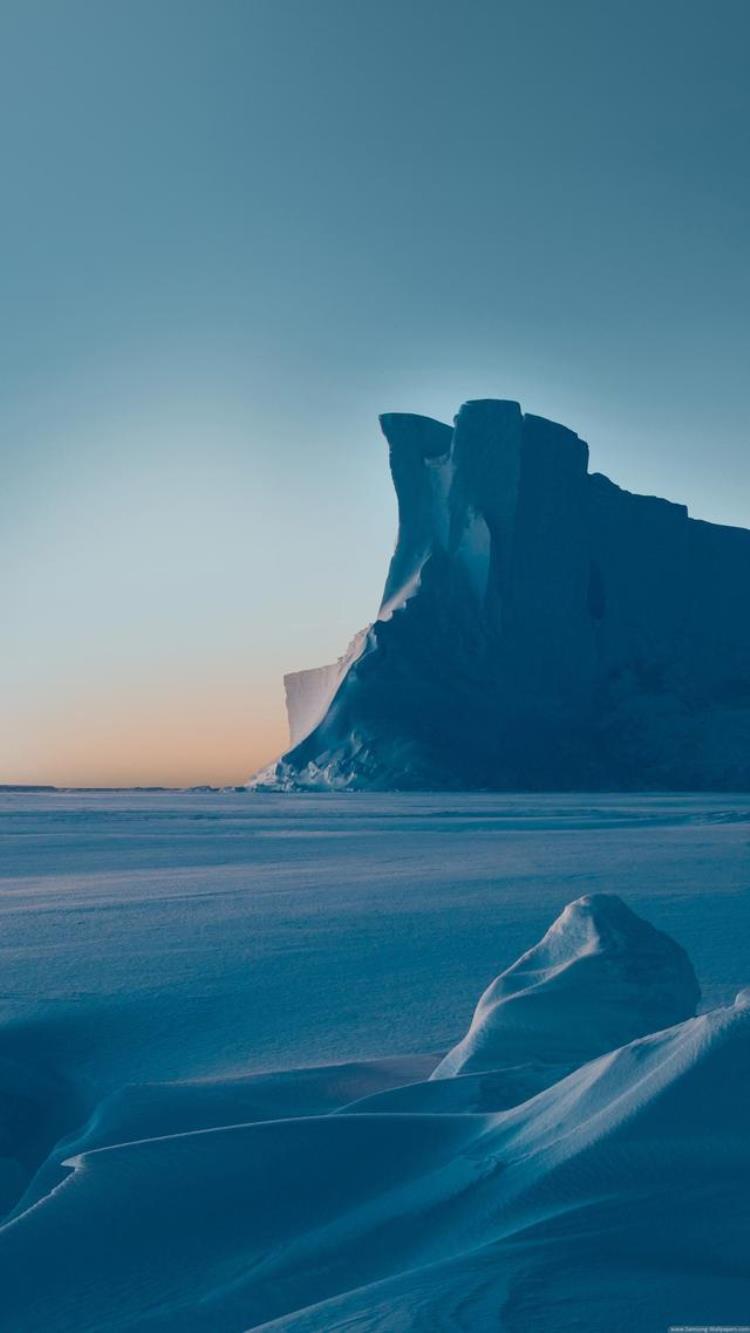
point(203, 1206)
point(600, 977)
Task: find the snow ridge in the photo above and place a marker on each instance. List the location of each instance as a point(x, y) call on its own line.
point(540, 1007)
point(200, 1206)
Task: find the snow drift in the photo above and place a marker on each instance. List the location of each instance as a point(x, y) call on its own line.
point(624, 1176)
point(538, 1020)
point(539, 628)
point(540, 1009)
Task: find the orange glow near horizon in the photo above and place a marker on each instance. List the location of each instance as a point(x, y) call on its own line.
point(180, 738)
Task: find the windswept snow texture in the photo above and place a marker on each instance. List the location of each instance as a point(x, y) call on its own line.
point(540, 629)
point(225, 1099)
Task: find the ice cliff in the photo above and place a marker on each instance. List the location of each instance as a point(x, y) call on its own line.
point(539, 628)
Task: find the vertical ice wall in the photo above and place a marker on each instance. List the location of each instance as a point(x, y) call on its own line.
point(540, 627)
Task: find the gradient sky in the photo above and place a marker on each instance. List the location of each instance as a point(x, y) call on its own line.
point(233, 231)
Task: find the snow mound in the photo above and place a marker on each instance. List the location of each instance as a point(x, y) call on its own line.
point(162, 1185)
point(624, 1177)
point(640, 1151)
point(599, 977)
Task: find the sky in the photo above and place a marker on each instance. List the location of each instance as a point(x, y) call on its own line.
point(233, 231)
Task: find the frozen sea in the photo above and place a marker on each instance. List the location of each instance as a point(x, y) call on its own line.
point(159, 951)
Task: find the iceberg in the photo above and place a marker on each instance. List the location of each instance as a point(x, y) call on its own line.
point(540, 629)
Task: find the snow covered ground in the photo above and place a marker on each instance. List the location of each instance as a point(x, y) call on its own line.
point(180, 974)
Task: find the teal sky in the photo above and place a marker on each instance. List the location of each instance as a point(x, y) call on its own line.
point(234, 231)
